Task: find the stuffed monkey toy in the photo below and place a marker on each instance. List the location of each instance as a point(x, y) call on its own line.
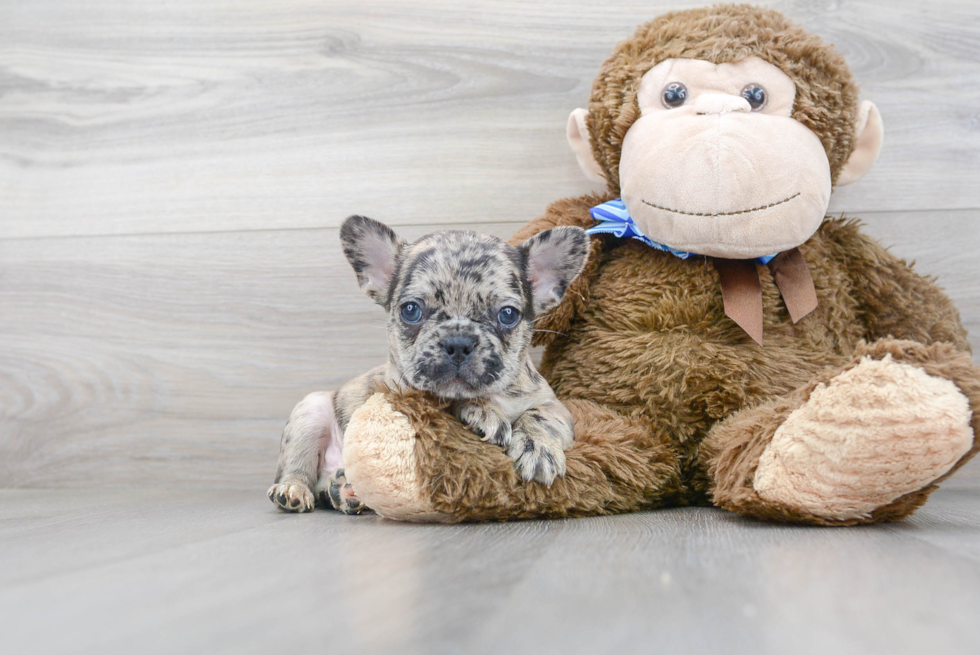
point(727, 343)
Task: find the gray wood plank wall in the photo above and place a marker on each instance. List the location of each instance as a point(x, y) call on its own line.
point(172, 176)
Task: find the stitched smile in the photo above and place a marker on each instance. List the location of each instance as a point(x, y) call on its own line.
point(741, 211)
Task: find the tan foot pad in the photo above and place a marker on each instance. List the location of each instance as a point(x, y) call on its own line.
point(379, 462)
point(874, 433)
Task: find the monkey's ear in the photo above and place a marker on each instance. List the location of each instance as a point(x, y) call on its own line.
point(870, 133)
point(554, 259)
point(371, 248)
point(577, 132)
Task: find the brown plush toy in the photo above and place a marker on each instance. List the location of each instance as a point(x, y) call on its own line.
point(727, 343)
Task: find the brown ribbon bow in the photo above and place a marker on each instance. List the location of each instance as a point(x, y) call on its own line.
point(742, 292)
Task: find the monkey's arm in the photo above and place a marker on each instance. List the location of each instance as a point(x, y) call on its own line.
point(568, 211)
point(893, 299)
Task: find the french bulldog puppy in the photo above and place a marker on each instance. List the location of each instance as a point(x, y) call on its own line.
point(461, 308)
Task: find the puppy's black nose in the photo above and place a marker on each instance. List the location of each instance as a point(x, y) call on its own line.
point(459, 347)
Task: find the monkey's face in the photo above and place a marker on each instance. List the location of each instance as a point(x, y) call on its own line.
point(715, 165)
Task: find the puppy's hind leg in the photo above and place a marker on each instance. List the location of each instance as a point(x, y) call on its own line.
point(310, 436)
point(332, 488)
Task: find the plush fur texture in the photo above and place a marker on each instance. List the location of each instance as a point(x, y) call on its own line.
point(874, 433)
point(673, 402)
point(734, 448)
point(617, 465)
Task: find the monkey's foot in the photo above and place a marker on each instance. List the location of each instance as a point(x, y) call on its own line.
point(381, 462)
point(872, 434)
point(291, 497)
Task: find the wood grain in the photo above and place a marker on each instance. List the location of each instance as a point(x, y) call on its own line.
point(187, 116)
point(142, 359)
point(154, 359)
point(105, 571)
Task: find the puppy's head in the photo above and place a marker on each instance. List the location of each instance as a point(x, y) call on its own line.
point(461, 305)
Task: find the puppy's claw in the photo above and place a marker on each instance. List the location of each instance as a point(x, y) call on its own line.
point(485, 422)
point(333, 492)
point(291, 497)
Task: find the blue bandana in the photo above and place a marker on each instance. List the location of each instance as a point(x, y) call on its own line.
point(615, 219)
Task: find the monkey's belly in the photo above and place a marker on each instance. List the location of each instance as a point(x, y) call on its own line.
point(656, 342)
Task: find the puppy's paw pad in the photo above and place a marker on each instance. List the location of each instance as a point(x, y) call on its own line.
point(291, 497)
point(486, 423)
point(537, 459)
point(340, 495)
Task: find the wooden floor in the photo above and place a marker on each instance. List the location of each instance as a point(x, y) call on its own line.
point(172, 175)
point(146, 571)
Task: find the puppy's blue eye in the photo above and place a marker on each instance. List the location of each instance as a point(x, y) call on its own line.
point(411, 312)
point(508, 317)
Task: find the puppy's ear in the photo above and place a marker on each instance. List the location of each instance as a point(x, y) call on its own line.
point(554, 259)
point(371, 248)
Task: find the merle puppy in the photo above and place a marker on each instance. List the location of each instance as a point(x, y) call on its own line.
point(461, 307)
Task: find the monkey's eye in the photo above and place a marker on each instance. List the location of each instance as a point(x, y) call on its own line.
point(411, 312)
point(756, 96)
point(508, 317)
point(674, 95)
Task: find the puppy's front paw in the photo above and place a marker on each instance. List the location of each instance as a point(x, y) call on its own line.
point(537, 457)
point(485, 421)
point(291, 497)
point(339, 494)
